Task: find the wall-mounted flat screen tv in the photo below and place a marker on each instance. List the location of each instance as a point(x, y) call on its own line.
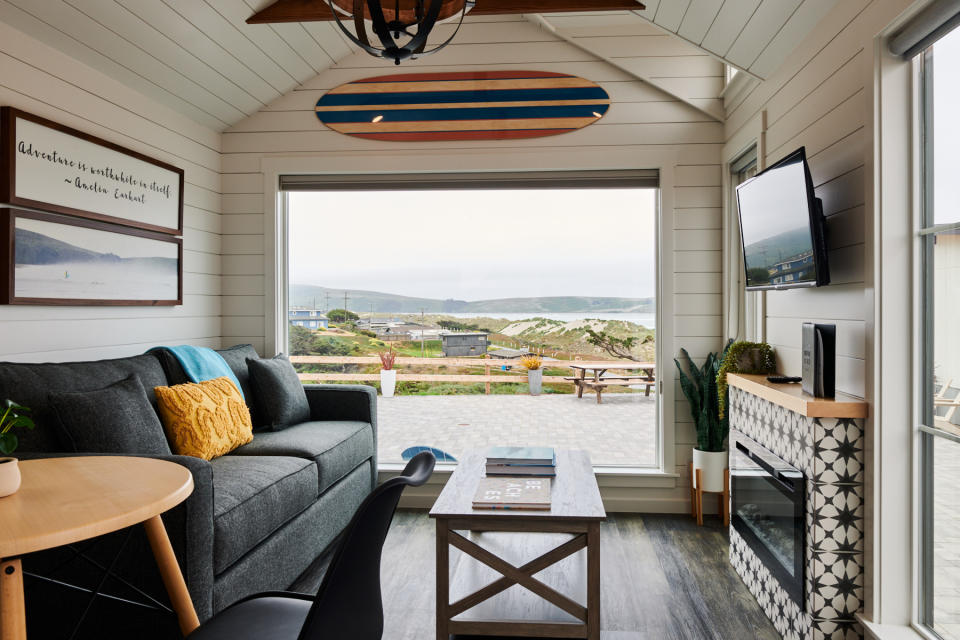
point(782, 227)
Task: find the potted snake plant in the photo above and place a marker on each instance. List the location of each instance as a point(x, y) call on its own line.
point(13, 416)
point(699, 385)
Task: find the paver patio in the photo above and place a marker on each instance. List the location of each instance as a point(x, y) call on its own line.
point(621, 431)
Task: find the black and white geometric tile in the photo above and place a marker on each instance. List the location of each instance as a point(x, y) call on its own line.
point(829, 451)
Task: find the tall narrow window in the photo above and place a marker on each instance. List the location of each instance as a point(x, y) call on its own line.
point(938, 386)
point(740, 305)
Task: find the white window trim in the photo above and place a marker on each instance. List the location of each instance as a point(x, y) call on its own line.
point(482, 160)
point(751, 135)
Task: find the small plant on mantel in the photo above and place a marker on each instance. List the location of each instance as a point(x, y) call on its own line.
point(13, 418)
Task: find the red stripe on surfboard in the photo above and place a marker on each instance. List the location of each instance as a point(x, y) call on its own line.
point(465, 75)
point(426, 136)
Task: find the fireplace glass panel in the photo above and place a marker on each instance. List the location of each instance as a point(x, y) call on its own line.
point(768, 511)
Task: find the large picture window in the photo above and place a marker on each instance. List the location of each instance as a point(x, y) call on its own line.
point(465, 281)
point(938, 386)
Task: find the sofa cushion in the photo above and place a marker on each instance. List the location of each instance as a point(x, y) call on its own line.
point(30, 384)
point(280, 395)
point(236, 358)
point(115, 419)
point(337, 446)
point(252, 498)
point(205, 419)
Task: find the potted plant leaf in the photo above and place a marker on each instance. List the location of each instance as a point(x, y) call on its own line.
point(743, 357)
point(388, 375)
point(534, 366)
point(700, 387)
point(12, 418)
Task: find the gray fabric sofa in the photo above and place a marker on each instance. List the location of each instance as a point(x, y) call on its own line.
point(259, 516)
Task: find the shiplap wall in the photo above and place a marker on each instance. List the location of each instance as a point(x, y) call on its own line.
point(820, 99)
point(640, 119)
point(44, 81)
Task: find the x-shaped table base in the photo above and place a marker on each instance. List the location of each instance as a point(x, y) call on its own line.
point(586, 536)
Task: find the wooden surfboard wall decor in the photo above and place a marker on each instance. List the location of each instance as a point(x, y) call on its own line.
point(483, 105)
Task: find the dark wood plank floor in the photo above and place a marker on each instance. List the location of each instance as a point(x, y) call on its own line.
point(663, 578)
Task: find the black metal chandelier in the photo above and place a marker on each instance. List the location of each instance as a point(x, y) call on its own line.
point(402, 29)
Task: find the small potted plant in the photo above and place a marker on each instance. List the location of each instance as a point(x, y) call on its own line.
point(388, 375)
point(700, 387)
point(743, 357)
point(534, 366)
point(13, 417)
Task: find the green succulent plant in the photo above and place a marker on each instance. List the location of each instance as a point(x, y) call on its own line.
point(743, 357)
point(13, 417)
point(700, 387)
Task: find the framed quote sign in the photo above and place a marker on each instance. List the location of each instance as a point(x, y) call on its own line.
point(50, 259)
point(45, 165)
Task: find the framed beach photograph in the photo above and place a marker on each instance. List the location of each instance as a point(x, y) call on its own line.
point(46, 165)
point(57, 260)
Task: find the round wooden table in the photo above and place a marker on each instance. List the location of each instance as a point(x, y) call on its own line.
point(66, 500)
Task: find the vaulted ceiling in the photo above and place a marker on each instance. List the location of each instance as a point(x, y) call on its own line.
point(202, 59)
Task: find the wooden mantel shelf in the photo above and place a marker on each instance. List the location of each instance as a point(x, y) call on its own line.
point(792, 397)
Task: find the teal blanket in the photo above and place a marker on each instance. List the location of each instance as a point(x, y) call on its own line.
point(201, 363)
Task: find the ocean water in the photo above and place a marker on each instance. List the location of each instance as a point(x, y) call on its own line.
point(648, 320)
point(97, 281)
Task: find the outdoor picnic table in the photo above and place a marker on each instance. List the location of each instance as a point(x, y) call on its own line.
point(600, 381)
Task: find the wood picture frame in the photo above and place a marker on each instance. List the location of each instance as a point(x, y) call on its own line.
point(115, 261)
point(49, 166)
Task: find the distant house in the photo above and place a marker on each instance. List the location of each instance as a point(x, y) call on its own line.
point(456, 345)
point(796, 268)
point(308, 318)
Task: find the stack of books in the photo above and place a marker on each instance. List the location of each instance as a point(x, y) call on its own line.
point(513, 493)
point(522, 461)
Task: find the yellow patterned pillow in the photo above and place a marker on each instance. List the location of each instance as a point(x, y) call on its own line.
point(204, 420)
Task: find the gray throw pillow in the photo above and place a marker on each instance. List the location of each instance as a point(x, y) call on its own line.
point(116, 419)
point(279, 392)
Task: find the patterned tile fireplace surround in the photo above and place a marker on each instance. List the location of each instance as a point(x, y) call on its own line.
point(829, 451)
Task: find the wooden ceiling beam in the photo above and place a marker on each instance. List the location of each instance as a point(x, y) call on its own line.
point(319, 11)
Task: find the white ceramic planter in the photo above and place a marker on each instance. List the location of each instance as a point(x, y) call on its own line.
point(712, 465)
point(388, 382)
point(9, 476)
point(535, 379)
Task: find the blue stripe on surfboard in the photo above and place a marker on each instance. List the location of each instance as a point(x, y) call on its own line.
point(449, 97)
point(481, 113)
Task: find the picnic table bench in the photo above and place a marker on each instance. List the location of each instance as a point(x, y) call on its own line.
point(601, 380)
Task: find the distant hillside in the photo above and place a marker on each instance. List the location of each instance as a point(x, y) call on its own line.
point(36, 248)
point(778, 247)
point(303, 295)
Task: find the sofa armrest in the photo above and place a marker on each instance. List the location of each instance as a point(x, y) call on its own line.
point(346, 402)
point(189, 526)
point(342, 402)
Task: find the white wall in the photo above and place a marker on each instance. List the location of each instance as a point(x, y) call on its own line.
point(820, 99)
point(44, 81)
point(642, 122)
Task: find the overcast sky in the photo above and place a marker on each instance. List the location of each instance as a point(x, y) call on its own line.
point(946, 129)
point(476, 245)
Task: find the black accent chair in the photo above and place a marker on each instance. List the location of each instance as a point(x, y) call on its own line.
point(348, 604)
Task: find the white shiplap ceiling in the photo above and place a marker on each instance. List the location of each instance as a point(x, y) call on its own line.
point(200, 57)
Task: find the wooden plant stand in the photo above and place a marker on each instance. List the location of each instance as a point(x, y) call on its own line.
point(696, 496)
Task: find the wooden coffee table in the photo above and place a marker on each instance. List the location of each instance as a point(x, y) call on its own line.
point(515, 545)
point(65, 500)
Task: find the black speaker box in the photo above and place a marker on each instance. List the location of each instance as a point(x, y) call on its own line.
point(819, 359)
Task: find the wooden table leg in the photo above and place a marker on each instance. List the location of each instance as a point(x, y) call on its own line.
point(13, 621)
point(593, 581)
point(171, 574)
point(579, 382)
point(443, 579)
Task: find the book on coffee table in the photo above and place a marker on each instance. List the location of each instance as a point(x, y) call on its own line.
point(521, 455)
point(513, 493)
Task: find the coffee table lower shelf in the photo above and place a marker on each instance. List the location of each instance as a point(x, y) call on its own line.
point(518, 579)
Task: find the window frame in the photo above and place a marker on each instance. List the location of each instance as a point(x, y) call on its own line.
point(327, 172)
